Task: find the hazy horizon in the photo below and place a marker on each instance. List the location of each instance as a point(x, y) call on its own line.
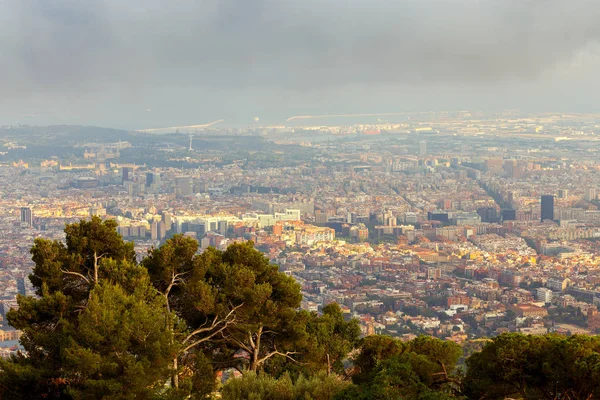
point(154, 63)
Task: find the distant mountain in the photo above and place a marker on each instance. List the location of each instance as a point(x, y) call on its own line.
point(62, 133)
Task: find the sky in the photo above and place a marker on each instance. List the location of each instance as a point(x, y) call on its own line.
point(150, 63)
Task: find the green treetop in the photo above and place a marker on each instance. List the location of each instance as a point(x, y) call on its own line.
point(95, 330)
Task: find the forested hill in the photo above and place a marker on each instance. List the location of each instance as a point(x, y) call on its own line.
point(66, 132)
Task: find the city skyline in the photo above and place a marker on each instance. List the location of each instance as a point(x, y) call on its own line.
point(448, 227)
point(299, 199)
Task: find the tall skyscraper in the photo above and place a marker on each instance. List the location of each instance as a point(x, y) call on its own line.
point(154, 231)
point(126, 174)
point(168, 220)
point(223, 226)
point(162, 230)
point(27, 215)
point(149, 179)
point(21, 288)
point(547, 207)
point(152, 181)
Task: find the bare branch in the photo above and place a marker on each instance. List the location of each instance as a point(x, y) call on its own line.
point(240, 344)
point(275, 352)
point(204, 339)
point(177, 277)
point(168, 290)
point(76, 274)
point(96, 258)
point(198, 331)
point(251, 340)
point(233, 310)
point(287, 354)
point(444, 375)
point(223, 322)
point(218, 326)
point(175, 280)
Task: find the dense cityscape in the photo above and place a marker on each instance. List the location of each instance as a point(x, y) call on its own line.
point(459, 225)
point(299, 200)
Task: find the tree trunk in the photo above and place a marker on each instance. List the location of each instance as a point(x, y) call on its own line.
point(256, 350)
point(254, 363)
point(95, 267)
point(175, 376)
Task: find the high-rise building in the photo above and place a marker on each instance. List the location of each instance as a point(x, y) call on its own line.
point(547, 207)
point(351, 218)
point(543, 294)
point(563, 193)
point(389, 219)
point(184, 186)
point(149, 179)
point(511, 168)
point(590, 194)
point(152, 179)
point(509, 215)
point(321, 217)
point(154, 231)
point(26, 216)
point(488, 214)
point(127, 172)
point(223, 227)
point(168, 220)
point(161, 230)
point(21, 288)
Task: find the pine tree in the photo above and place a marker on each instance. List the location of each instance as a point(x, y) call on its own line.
point(95, 328)
point(232, 307)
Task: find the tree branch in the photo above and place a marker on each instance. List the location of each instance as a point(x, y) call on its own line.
point(287, 354)
point(76, 274)
point(445, 377)
point(177, 277)
point(240, 344)
point(96, 258)
point(224, 322)
point(251, 340)
point(205, 339)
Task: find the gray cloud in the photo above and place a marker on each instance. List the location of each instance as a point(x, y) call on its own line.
point(133, 49)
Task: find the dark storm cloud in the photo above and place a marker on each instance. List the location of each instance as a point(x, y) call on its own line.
point(54, 44)
point(299, 43)
point(113, 53)
point(290, 43)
